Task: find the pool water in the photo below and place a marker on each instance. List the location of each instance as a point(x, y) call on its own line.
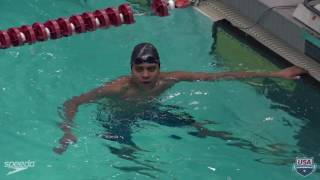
point(268, 122)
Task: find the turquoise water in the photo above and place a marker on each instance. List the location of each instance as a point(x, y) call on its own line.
point(270, 124)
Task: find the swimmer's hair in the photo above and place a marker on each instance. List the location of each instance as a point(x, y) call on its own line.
point(145, 53)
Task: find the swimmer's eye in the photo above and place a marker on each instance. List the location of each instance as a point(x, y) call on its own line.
point(138, 69)
point(151, 69)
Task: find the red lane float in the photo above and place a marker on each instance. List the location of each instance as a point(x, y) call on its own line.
point(54, 28)
point(88, 21)
point(127, 13)
point(15, 37)
point(29, 34)
point(103, 18)
point(182, 3)
point(160, 8)
point(63, 27)
point(78, 23)
point(40, 31)
point(114, 16)
point(4, 39)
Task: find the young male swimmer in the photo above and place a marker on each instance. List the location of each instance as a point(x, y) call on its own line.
point(146, 83)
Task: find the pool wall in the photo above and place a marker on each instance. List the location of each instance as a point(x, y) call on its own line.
point(278, 21)
point(277, 29)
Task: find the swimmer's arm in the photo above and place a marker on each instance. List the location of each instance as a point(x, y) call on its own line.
point(70, 108)
point(107, 90)
point(71, 105)
point(288, 73)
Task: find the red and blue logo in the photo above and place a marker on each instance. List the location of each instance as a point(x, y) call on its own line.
point(304, 166)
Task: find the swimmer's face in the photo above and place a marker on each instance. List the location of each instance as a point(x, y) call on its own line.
point(145, 74)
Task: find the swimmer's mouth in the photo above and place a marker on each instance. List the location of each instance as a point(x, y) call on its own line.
point(146, 82)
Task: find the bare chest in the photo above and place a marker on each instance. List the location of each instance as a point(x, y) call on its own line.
point(135, 93)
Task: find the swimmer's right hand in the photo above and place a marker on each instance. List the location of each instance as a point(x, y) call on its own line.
point(68, 138)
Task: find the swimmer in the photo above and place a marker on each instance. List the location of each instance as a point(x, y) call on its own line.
point(146, 82)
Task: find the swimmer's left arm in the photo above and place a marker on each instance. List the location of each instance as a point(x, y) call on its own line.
point(288, 73)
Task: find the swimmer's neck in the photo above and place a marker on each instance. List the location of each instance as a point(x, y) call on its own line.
point(144, 89)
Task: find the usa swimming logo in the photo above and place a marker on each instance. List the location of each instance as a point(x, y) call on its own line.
point(304, 166)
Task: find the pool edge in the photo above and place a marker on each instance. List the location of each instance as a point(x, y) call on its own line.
point(217, 10)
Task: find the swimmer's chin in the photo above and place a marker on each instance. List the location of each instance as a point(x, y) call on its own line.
point(147, 84)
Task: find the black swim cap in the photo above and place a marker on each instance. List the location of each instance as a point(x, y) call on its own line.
point(145, 53)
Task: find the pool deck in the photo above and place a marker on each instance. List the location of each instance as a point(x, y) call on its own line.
point(276, 28)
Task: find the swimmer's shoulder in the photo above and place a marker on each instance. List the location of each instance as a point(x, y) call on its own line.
point(118, 86)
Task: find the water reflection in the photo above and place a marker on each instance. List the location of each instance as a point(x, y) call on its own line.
point(302, 103)
point(121, 120)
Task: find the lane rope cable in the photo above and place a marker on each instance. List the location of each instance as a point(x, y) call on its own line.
point(81, 23)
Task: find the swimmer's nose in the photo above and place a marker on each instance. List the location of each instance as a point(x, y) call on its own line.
point(145, 75)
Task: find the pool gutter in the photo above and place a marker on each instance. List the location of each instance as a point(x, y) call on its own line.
point(278, 30)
